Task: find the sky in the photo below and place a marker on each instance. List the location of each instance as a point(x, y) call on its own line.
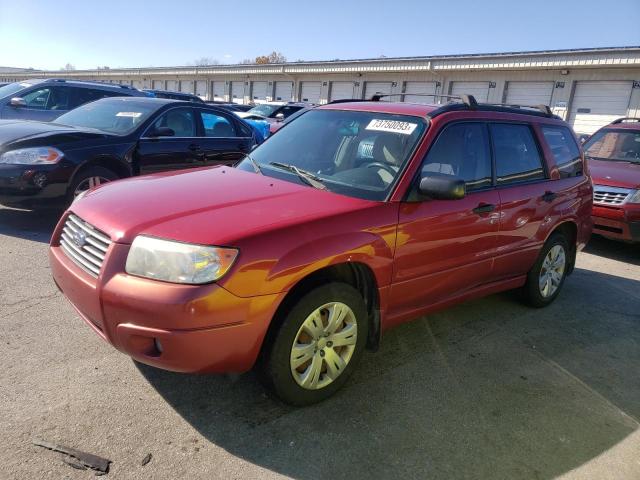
point(48, 34)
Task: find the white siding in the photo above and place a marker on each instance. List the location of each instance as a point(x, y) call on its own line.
point(172, 85)
point(186, 86)
point(480, 90)
point(237, 92)
point(529, 93)
point(596, 104)
point(217, 88)
point(310, 92)
point(371, 88)
point(284, 91)
point(201, 88)
point(341, 90)
point(158, 84)
point(259, 92)
point(419, 87)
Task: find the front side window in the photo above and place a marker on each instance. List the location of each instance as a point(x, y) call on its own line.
point(462, 150)
point(48, 98)
point(111, 115)
point(360, 154)
point(180, 120)
point(217, 125)
point(516, 154)
point(564, 149)
point(614, 145)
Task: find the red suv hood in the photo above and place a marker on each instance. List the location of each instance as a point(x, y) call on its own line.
point(615, 174)
point(211, 206)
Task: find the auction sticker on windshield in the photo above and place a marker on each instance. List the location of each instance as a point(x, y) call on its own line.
point(393, 126)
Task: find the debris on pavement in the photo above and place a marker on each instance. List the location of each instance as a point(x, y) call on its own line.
point(86, 459)
point(73, 463)
point(146, 459)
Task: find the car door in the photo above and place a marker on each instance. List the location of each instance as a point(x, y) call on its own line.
point(171, 152)
point(224, 140)
point(44, 103)
point(528, 197)
point(447, 247)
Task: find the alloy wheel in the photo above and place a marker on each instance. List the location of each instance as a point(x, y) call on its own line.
point(552, 271)
point(88, 183)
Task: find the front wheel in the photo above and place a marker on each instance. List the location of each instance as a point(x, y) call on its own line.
point(546, 278)
point(89, 178)
point(318, 344)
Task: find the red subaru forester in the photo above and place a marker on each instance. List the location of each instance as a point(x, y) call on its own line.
point(354, 218)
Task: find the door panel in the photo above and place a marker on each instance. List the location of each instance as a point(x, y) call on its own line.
point(223, 141)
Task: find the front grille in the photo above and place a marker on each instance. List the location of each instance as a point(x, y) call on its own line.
point(84, 244)
point(603, 195)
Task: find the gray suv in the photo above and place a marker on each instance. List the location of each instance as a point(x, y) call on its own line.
point(46, 100)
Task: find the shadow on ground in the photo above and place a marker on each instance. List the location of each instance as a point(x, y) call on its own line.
point(614, 250)
point(488, 389)
point(35, 225)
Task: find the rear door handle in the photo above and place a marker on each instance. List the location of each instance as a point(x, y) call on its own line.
point(549, 196)
point(484, 208)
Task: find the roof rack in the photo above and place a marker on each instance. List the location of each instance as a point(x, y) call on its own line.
point(625, 119)
point(468, 100)
point(542, 108)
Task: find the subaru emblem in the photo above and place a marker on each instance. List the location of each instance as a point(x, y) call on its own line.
point(80, 238)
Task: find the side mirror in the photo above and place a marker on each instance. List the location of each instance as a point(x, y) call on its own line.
point(280, 117)
point(583, 139)
point(17, 102)
point(162, 132)
point(442, 187)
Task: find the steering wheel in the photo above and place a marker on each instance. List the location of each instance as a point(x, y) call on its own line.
point(383, 166)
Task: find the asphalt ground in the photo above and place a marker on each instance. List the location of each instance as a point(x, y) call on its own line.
point(489, 389)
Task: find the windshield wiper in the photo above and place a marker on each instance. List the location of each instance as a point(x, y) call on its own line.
point(307, 177)
point(256, 165)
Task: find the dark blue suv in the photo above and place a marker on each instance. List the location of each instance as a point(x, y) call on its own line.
point(46, 100)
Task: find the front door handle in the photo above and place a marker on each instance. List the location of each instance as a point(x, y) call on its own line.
point(549, 196)
point(484, 208)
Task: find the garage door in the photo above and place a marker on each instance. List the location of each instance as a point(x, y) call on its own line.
point(259, 92)
point(284, 91)
point(186, 86)
point(137, 84)
point(596, 104)
point(172, 85)
point(310, 92)
point(158, 84)
point(480, 90)
point(237, 92)
point(217, 88)
point(371, 88)
point(419, 87)
point(529, 93)
point(341, 90)
point(201, 88)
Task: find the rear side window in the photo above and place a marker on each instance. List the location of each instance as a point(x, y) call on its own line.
point(80, 96)
point(564, 149)
point(516, 154)
point(217, 125)
point(462, 149)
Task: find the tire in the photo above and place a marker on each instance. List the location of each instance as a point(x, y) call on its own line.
point(534, 293)
point(323, 367)
point(85, 175)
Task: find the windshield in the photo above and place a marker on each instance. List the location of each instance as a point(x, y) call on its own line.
point(264, 109)
point(360, 154)
point(614, 145)
point(12, 88)
point(113, 115)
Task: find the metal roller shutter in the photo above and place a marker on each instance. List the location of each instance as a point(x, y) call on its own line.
point(284, 91)
point(371, 88)
point(310, 92)
point(186, 86)
point(529, 93)
point(419, 87)
point(596, 104)
point(237, 92)
point(480, 90)
point(158, 84)
point(172, 85)
point(217, 88)
point(342, 90)
point(259, 92)
point(137, 84)
point(201, 88)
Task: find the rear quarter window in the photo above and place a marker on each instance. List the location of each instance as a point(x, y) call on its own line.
point(564, 149)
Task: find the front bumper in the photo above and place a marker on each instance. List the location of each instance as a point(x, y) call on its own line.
point(620, 223)
point(32, 184)
point(182, 328)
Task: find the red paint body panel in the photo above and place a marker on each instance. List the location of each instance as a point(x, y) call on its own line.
point(423, 255)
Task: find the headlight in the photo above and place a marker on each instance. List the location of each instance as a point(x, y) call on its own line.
point(178, 262)
point(32, 156)
point(634, 197)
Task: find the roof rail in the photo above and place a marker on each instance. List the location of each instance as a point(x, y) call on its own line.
point(625, 119)
point(468, 100)
point(542, 108)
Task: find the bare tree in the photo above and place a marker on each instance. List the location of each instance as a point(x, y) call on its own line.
point(68, 67)
point(247, 61)
point(204, 61)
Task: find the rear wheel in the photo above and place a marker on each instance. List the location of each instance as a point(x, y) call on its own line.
point(546, 278)
point(318, 345)
point(89, 178)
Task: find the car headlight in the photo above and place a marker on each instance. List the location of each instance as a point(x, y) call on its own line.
point(177, 262)
point(32, 156)
point(634, 197)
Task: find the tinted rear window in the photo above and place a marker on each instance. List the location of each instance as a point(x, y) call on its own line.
point(564, 149)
